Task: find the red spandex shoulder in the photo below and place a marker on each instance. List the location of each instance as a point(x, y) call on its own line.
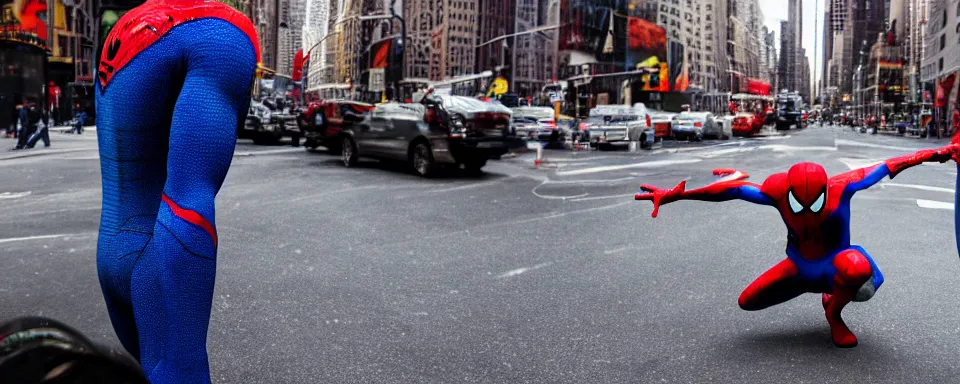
point(144, 25)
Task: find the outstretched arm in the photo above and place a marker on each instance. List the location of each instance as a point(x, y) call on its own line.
point(863, 178)
point(731, 187)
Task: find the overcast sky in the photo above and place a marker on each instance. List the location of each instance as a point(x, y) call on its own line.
point(776, 10)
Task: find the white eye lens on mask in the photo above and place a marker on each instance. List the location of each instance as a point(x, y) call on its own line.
point(795, 205)
point(818, 204)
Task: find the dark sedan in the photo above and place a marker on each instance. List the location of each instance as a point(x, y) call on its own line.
point(442, 131)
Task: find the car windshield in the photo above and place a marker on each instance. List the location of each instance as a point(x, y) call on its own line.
point(537, 113)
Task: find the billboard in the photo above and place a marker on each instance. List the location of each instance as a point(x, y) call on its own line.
point(28, 16)
point(647, 50)
point(679, 75)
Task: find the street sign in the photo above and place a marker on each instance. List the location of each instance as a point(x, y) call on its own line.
point(500, 86)
point(377, 80)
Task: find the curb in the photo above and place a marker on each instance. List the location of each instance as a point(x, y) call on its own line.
point(269, 152)
point(41, 152)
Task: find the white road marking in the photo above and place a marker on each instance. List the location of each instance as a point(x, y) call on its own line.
point(871, 145)
point(934, 204)
point(14, 195)
point(519, 271)
point(721, 152)
point(920, 187)
point(468, 186)
point(778, 137)
point(28, 238)
point(608, 168)
point(574, 159)
point(614, 251)
point(604, 197)
point(608, 181)
point(790, 148)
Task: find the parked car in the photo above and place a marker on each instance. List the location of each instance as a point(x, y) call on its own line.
point(619, 125)
point(326, 119)
point(663, 123)
point(708, 124)
point(260, 125)
point(745, 124)
point(539, 124)
point(440, 130)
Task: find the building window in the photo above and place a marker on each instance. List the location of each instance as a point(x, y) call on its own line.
point(943, 41)
point(940, 65)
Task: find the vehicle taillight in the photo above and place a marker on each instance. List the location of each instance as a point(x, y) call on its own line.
point(649, 122)
point(698, 124)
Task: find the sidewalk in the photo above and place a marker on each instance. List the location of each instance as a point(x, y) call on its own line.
point(59, 143)
point(68, 128)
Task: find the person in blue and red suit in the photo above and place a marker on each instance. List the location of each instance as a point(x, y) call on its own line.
point(173, 85)
point(816, 211)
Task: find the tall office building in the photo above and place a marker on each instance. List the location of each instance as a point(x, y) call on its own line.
point(315, 28)
point(865, 19)
point(833, 28)
point(290, 18)
point(790, 71)
point(768, 56)
point(532, 54)
point(442, 38)
point(422, 20)
point(498, 18)
point(941, 56)
point(743, 43)
point(264, 17)
point(712, 66)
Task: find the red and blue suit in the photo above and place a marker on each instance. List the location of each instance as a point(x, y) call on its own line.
point(816, 211)
point(173, 85)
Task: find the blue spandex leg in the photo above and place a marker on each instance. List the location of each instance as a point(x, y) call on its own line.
point(167, 127)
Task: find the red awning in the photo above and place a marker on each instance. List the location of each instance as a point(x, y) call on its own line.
point(757, 87)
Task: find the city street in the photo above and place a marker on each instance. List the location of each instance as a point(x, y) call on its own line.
point(524, 274)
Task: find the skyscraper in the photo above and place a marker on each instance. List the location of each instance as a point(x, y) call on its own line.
point(864, 21)
point(792, 62)
point(315, 28)
point(531, 53)
point(743, 43)
point(833, 27)
point(290, 17)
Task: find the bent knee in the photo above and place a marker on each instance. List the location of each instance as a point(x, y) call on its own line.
point(853, 268)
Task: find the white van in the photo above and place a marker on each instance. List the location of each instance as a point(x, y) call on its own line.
point(619, 125)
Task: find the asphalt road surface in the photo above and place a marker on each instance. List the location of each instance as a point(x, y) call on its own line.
point(523, 274)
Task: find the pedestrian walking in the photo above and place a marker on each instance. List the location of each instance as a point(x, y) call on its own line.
point(24, 132)
point(81, 120)
point(39, 121)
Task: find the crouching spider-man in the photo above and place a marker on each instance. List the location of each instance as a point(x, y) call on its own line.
point(816, 211)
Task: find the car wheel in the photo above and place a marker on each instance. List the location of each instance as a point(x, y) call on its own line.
point(348, 152)
point(422, 159)
point(310, 144)
point(643, 141)
point(698, 137)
